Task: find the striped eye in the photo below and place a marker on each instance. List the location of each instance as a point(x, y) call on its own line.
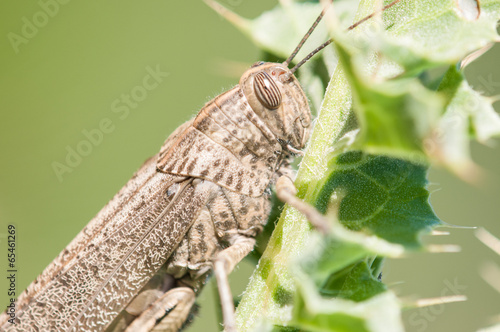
point(267, 91)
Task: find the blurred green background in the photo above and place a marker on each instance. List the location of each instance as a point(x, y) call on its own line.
point(72, 72)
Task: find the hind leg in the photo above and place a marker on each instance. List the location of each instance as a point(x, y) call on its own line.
point(167, 314)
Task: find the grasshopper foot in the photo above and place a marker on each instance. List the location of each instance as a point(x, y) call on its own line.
point(286, 192)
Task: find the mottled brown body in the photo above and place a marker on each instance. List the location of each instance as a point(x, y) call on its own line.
point(206, 192)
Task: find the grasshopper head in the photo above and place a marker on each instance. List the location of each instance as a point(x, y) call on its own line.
point(276, 97)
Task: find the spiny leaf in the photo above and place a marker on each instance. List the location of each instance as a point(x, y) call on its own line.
point(313, 312)
point(360, 284)
point(418, 35)
point(439, 31)
point(395, 116)
point(382, 196)
point(467, 115)
point(399, 116)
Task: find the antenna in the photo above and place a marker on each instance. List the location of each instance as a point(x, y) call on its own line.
point(306, 36)
point(328, 42)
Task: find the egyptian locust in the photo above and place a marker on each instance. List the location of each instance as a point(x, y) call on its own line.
point(194, 207)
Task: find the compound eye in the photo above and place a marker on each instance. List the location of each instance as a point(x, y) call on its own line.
point(267, 91)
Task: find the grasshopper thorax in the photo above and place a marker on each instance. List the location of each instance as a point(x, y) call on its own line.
point(276, 97)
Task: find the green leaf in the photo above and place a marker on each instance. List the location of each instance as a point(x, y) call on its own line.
point(338, 268)
point(395, 116)
point(400, 116)
point(417, 35)
point(438, 31)
point(382, 196)
point(331, 277)
point(313, 312)
point(360, 285)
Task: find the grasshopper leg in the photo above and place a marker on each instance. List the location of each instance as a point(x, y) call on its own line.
point(177, 302)
point(286, 191)
point(224, 263)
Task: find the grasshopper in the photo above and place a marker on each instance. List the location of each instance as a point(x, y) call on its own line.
point(194, 208)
